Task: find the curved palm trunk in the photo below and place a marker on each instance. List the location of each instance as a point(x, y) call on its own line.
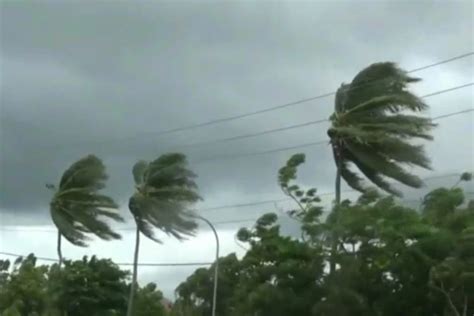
point(60, 254)
point(335, 237)
point(133, 286)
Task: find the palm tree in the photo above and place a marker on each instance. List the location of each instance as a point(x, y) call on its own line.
point(165, 191)
point(78, 209)
point(372, 130)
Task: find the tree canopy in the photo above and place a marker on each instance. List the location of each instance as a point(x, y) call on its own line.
point(372, 129)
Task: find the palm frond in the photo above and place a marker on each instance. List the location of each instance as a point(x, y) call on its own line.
point(400, 130)
point(164, 200)
point(138, 207)
point(352, 179)
point(401, 125)
point(404, 100)
point(341, 98)
point(375, 177)
point(379, 79)
point(81, 197)
point(78, 209)
point(403, 152)
point(370, 130)
point(87, 173)
point(405, 119)
point(65, 224)
point(138, 171)
point(385, 144)
point(383, 165)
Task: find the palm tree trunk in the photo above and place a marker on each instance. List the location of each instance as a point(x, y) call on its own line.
point(133, 286)
point(335, 237)
point(60, 254)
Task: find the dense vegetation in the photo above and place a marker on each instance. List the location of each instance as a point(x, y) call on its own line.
point(391, 260)
point(92, 286)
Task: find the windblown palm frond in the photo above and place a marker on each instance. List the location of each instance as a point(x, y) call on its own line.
point(371, 129)
point(78, 209)
point(165, 192)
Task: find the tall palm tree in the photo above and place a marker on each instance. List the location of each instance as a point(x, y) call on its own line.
point(165, 191)
point(373, 130)
point(78, 209)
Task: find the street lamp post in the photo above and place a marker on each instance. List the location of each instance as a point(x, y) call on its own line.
point(216, 264)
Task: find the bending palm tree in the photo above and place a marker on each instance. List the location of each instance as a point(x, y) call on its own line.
point(372, 131)
point(78, 209)
point(165, 190)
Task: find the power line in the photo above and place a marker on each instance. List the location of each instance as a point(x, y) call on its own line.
point(448, 90)
point(452, 114)
point(258, 153)
point(171, 264)
point(442, 62)
point(228, 206)
point(269, 109)
point(126, 228)
point(295, 126)
point(311, 144)
point(270, 131)
point(277, 107)
point(240, 205)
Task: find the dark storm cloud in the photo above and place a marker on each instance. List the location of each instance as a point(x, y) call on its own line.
point(101, 78)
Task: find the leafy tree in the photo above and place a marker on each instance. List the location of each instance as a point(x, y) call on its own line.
point(89, 287)
point(280, 275)
point(197, 292)
point(78, 208)
point(23, 291)
point(371, 130)
point(392, 260)
point(453, 277)
point(95, 287)
point(149, 301)
point(165, 191)
point(385, 253)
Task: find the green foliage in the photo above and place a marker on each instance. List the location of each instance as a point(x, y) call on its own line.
point(149, 301)
point(95, 287)
point(197, 290)
point(453, 274)
point(466, 176)
point(391, 260)
point(308, 211)
point(88, 287)
point(371, 131)
point(278, 276)
point(165, 192)
point(78, 209)
point(24, 290)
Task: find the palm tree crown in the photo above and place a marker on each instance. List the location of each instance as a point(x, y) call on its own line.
point(165, 191)
point(372, 130)
point(78, 209)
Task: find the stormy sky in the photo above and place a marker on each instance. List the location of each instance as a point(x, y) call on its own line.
point(81, 77)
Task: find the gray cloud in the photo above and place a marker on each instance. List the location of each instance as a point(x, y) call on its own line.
point(101, 78)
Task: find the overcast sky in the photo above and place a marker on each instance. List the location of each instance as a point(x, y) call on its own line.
point(102, 77)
